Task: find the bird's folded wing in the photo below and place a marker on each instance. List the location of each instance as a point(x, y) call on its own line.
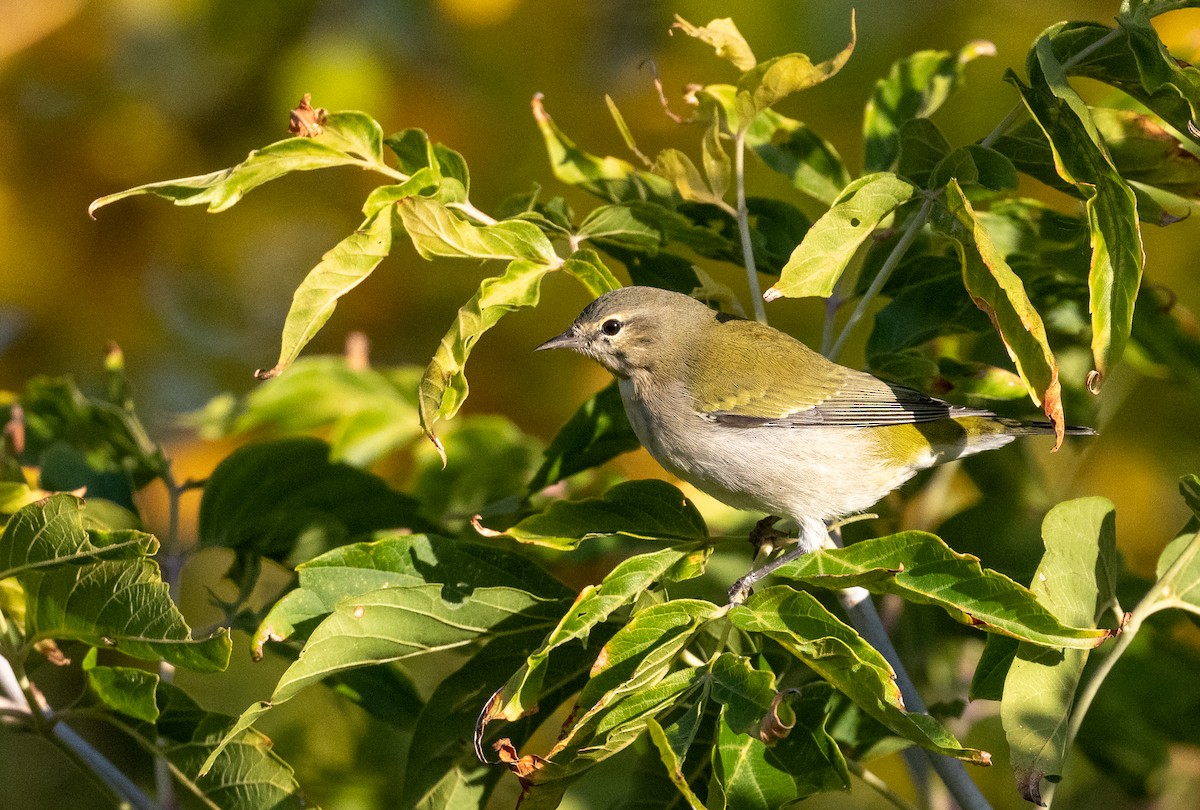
point(775, 381)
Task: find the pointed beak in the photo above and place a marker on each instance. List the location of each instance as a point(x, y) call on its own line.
point(567, 340)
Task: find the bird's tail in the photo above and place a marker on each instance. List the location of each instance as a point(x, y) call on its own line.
point(1018, 428)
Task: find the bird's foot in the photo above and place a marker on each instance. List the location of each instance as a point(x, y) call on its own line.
point(764, 536)
point(741, 589)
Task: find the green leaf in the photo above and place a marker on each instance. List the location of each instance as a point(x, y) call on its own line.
point(678, 169)
point(1145, 154)
point(126, 690)
point(717, 166)
point(724, 37)
point(436, 231)
point(609, 178)
point(366, 412)
point(921, 568)
point(598, 432)
point(488, 461)
point(286, 501)
point(621, 225)
point(401, 560)
point(648, 509)
point(817, 262)
point(922, 310)
point(1136, 64)
point(998, 291)
point(746, 693)
point(807, 761)
point(785, 145)
point(769, 82)
point(245, 773)
point(1076, 580)
point(349, 139)
point(803, 627)
point(915, 87)
point(593, 606)
point(920, 147)
point(666, 270)
point(103, 444)
point(642, 652)
point(397, 623)
point(444, 771)
point(340, 270)
point(976, 165)
point(673, 763)
point(609, 733)
point(1080, 158)
point(444, 387)
point(100, 588)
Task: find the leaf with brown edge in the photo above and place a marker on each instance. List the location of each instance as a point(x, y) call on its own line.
point(999, 292)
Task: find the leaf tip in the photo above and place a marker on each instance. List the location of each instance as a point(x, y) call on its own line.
point(437, 445)
point(96, 205)
point(484, 531)
point(1095, 380)
point(539, 109)
point(773, 293)
point(268, 373)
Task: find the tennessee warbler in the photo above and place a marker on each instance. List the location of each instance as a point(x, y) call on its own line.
point(756, 419)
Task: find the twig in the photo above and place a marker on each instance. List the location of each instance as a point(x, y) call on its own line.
point(743, 221)
point(910, 233)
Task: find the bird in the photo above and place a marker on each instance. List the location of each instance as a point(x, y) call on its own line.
point(755, 418)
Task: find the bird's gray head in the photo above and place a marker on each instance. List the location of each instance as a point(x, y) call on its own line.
point(634, 328)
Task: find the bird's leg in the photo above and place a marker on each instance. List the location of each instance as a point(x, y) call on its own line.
point(764, 531)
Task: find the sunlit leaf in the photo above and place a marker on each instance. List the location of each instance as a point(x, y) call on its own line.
point(998, 291)
point(678, 169)
point(642, 652)
point(1144, 152)
point(1080, 158)
point(436, 231)
point(773, 80)
point(444, 385)
point(100, 588)
point(802, 626)
point(648, 509)
point(340, 270)
point(609, 178)
point(817, 262)
point(245, 775)
point(1076, 580)
point(349, 139)
point(915, 87)
point(717, 166)
point(593, 606)
point(395, 561)
point(921, 568)
point(724, 38)
point(396, 623)
point(787, 146)
point(673, 763)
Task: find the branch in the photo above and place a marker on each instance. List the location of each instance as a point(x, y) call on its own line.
point(743, 221)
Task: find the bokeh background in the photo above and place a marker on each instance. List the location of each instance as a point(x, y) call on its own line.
point(100, 95)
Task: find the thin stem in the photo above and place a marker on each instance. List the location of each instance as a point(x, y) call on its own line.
point(743, 221)
point(878, 785)
point(893, 260)
point(474, 213)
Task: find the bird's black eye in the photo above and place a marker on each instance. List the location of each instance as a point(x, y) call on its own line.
point(611, 327)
